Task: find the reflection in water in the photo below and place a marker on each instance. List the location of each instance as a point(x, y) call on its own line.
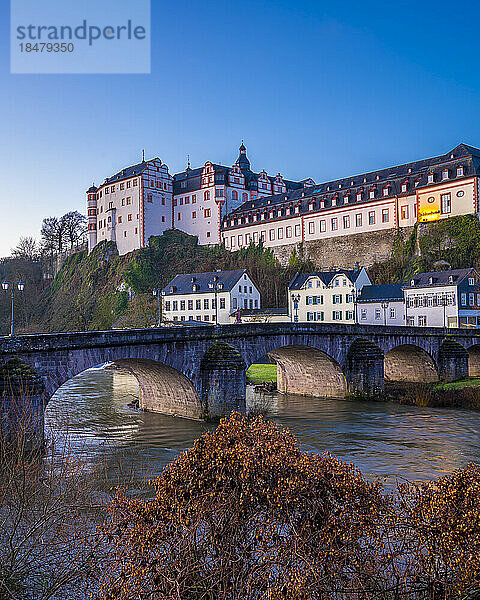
point(380, 438)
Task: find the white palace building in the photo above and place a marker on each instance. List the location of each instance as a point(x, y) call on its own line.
point(145, 200)
point(237, 206)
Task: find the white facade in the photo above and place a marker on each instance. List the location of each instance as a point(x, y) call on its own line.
point(443, 299)
point(327, 297)
point(388, 199)
point(131, 206)
point(194, 298)
point(381, 305)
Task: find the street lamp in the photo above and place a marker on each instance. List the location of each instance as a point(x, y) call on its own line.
point(384, 305)
point(295, 300)
point(158, 294)
point(215, 285)
point(20, 287)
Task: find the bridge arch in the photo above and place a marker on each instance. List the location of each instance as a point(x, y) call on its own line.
point(408, 362)
point(308, 371)
point(163, 389)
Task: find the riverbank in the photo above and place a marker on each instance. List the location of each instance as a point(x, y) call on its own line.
point(464, 394)
point(260, 373)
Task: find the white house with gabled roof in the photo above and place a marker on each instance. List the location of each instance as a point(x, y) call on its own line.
point(326, 296)
point(209, 297)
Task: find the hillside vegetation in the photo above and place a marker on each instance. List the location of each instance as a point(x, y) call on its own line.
point(103, 290)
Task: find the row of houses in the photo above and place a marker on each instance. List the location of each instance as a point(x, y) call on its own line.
point(448, 298)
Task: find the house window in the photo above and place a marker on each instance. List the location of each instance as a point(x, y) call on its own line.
point(463, 299)
point(392, 313)
point(149, 198)
point(207, 213)
point(205, 303)
point(271, 234)
point(346, 222)
point(334, 224)
point(385, 215)
point(404, 187)
point(459, 171)
point(358, 220)
point(377, 314)
point(363, 313)
point(404, 210)
point(446, 203)
point(129, 218)
point(371, 194)
point(280, 233)
point(120, 218)
point(206, 195)
point(135, 182)
point(422, 320)
point(190, 305)
point(288, 232)
point(337, 298)
point(349, 315)
point(337, 315)
point(471, 281)
point(430, 180)
point(471, 299)
point(175, 305)
point(445, 174)
point(311, 227)
point(194, 214)
point(198, 305)
point(371, 217)
point(297, 230)
point(359, 197)
point(385, 191)
point(182, 304)
point(240, 240)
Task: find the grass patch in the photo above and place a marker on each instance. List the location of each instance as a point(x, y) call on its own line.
point(459, 385)
point(260, 373)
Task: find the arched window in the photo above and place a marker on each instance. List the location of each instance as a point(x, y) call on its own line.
point(234, 195)
point(244, 197)
point(206, 195)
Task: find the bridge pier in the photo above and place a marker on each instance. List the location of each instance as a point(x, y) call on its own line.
point(364, 368)
point(452, 361)
point(21, 407)
point(224, 384)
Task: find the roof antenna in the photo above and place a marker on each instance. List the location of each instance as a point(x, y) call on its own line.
point(143, 155)
point(188, 161)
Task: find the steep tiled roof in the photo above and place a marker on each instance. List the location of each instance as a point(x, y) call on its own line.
point(436, 278)
point(127, 172)
point(384, 291)
point(326, 276)
point(183, 284)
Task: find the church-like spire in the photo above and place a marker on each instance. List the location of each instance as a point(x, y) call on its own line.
point(242, 160)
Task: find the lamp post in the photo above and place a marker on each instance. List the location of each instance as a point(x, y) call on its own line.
point(384, 305)
point(215, 289)
point(444, 304)
point(20, 287)
point(295, 300)
point(158, 294)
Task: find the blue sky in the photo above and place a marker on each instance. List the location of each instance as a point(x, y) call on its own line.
point(316, 89)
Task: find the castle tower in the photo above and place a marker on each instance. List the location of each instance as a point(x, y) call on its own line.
point(92, 217)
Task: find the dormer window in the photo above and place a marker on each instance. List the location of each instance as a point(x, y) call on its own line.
point(430, 280)
point(377, 177)
point(459, 171)
point(351, 183)
point(412, 282)
point(385, 191)
point(346, 199)
point(430, 178)
point(172, 289)
point(371, 194)
point(339, 185)
point(471, 281)
point(334, 201)
point(359, 196)
point(364, 180)
point(311, 206)
point(195, 287)
point(270, 214)
point(220, 286)
point(450, 279)
point(279, 213)
point(404, 187)
point(409, 169)
point(288, 211)
point(297, 210)
point(328, 188)
point(445, 174)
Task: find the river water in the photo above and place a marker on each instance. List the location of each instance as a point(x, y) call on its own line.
point(382, 439)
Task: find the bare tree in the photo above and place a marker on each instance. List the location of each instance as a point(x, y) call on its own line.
point(53, 234)
point(26, 249)
point(75, 227)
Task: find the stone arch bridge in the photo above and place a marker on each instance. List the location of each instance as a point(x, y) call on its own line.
point(199, 372)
